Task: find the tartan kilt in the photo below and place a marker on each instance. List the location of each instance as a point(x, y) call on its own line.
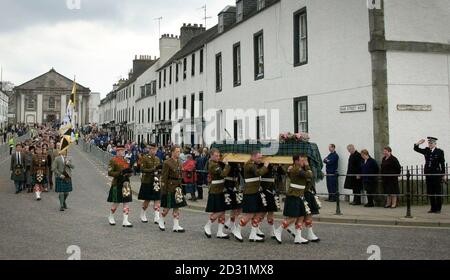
point(147, 192)
point(271, 203)
point(312, 203)
point(35, 182)
point(233, 198)
point(294, 207)
point(252, 203)
point(216, 203)
point(116, 195)
point(63, 186)
point(168, 201)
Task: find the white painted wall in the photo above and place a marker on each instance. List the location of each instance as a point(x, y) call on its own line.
point(418, 79)
point(418, 20)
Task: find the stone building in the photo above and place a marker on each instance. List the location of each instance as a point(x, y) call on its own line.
point(44, 100)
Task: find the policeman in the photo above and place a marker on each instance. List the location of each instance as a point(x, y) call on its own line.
point(434, 165)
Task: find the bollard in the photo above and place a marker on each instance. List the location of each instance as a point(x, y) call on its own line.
point(338, 199)
point(408, 193)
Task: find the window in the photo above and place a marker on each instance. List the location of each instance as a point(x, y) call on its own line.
point(160, 74)
point(165, 77)
point(176, 108)
point(154, 88)
point(159, 111)
point(300, 38)
point(170, 110)
point(30, 104)
point(153, 114)
point(148, 115)
point(132, 113)
point(133, 89)
point(192, 106)
point(261, 128)
point(237, 64)
point(184, 106)
point(238, 130)
point(143, 89)
point(259, 55)
point(219, 72)
point(260, 4)
point(170, 75)
point(193, 65)
point(201, 61)
point(301, 114)
point(139, 117)
point(184, 68)
point(176, 72)
point(164, 111)
point(240, 11)
point(51, 103)
point(143, 116)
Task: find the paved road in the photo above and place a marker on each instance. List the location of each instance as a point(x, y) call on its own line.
point(37, 230)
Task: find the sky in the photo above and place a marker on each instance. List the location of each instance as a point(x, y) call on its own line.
point(94, 40)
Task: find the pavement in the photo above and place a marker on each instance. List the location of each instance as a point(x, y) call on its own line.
point(37, 230)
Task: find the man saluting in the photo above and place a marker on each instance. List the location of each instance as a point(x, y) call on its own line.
point(434, 164)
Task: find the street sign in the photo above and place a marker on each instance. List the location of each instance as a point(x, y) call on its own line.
point(353, 108)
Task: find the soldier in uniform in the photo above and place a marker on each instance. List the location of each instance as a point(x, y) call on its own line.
point(233, 196)
point(295, 207)
point(39, 169)
point(313, 203)
point(120, 191)
point(18, 168)
point(150, 186)
point(269, 199)
point(434, 164)
point(171, 191)
point(28, 174)
point(216, 197)
point(252, 205)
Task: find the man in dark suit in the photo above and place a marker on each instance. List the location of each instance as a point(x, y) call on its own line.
point(353, 180)
point(332, 163)
point(18, 168)
point(434, 165)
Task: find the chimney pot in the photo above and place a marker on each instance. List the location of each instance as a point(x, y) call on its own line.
point(195, 25)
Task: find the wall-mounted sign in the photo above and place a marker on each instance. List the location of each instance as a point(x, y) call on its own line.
point(353, 108)
point(415, 108)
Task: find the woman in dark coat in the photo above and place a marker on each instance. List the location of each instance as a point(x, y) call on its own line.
point(369, 167)
point(390, 165)
point(354, 167)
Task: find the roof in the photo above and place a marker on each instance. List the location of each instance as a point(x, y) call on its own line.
point(136, 75)
point(79, 87)
point(193, 45)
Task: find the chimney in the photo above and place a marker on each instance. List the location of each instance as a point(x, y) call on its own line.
point(227, 17)
point(169, 45)
point(187, 32)
point(140, 63)
point(248, 6)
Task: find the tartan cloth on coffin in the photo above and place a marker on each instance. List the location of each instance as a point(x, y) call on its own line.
point(278, 149)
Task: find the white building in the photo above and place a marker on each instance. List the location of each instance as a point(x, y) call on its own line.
point(93, 106)
point(4, 99)
point(346, 72)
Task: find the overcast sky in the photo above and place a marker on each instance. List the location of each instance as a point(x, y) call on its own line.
point(96, 42)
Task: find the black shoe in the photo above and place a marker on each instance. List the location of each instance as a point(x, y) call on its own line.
point(257, 240)
point(61, 209)
point(39, 199)
point(179, 231)
point(224, 237)
point(369, 205)
point(238, 239)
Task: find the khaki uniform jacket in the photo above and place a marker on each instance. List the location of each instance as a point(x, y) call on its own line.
point(149, 166)
point(171, 176)
point(39, 163)
point(251, 171)
point(217, 173)
point(114, 170)
point(302, 177)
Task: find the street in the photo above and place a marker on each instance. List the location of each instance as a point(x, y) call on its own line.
point(33, 230)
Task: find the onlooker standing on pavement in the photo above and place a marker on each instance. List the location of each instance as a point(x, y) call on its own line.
point(390, 165)
point(434, 164)
point(332, 163)
point(190, 176)
point(369, 167)
point(354, 183)
point(202, 177)
point(11, 143)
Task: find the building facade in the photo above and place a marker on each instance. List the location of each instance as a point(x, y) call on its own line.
point(368, 73)
point(4, 101)
point(45, 99)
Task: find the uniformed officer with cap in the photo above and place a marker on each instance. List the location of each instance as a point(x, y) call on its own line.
point(434, 164)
